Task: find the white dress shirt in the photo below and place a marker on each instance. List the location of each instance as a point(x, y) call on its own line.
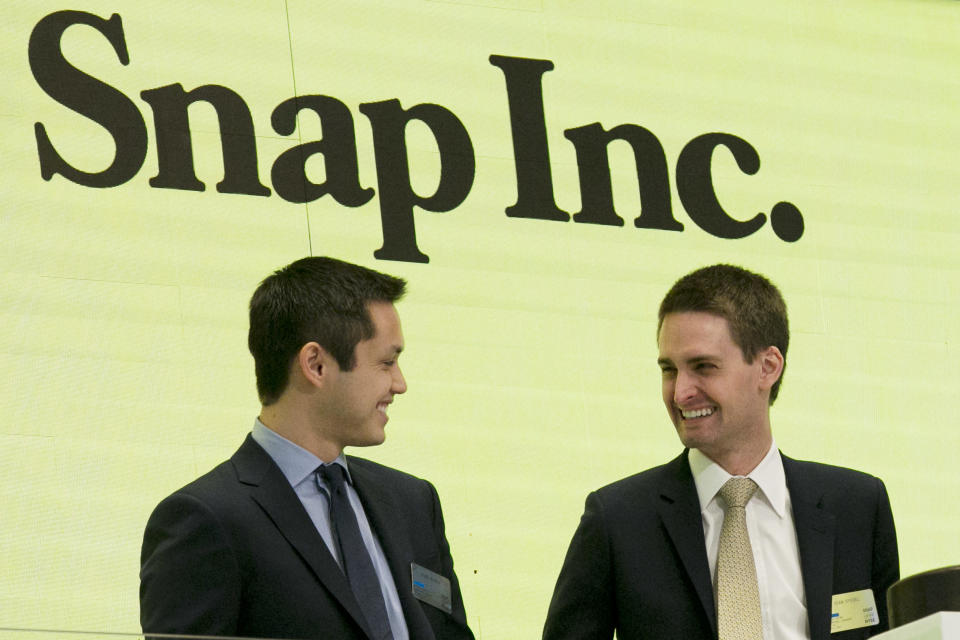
point(299, 466)
point(773, 538)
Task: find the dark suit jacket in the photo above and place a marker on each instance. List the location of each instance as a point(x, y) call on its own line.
point(638, 561)
point(235, 553)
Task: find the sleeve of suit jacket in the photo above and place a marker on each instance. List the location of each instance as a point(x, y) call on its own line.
point(190, 579)
point(455, 625)
point(583, 605)
point(886, 559)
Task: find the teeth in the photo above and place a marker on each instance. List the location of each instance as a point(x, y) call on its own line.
point(697, 413)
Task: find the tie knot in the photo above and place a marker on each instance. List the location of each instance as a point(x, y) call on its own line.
point(334, 475)
point(738, 491)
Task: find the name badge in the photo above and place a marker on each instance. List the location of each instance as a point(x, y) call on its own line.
point(853, 610)
point(431, 587)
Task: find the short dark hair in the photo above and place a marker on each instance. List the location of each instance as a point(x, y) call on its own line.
point(751, 305)
point(315, 299)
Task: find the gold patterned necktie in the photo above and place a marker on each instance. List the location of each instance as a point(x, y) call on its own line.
point(738, 598)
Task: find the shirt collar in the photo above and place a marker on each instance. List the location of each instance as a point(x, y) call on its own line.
point(296, 463)
point(708, 477)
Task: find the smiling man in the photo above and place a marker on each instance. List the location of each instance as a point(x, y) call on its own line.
point(731, 539)
point(290, 538)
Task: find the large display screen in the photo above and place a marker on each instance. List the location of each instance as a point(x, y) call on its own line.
point(541, 172)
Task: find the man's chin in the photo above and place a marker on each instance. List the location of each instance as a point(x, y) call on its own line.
point(690, 438)
point(371, 439)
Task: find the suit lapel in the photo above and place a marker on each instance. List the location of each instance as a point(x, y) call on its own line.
point(816, 530)
point(679, 509)
point(380, 506)
point(269, 488)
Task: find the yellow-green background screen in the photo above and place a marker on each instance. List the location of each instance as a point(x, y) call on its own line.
point(531, 354)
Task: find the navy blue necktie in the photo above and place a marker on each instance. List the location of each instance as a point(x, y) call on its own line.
point(355, 559)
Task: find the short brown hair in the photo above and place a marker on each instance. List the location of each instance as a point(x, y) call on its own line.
point(751, 305)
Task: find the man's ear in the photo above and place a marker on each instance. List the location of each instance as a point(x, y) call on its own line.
point(314, 365)
point(771, 367)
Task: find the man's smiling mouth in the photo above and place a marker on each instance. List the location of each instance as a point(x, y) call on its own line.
point(697, 413)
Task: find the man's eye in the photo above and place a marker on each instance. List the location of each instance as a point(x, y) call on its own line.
point(389, 363)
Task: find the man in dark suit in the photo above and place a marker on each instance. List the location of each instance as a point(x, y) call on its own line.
point(290, 538)
point(820, 548)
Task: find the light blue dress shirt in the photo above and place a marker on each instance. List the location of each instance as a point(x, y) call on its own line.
point(299, 466)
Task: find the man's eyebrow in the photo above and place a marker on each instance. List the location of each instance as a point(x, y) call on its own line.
point(692, 360)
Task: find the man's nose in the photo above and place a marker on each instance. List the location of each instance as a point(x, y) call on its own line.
point(684, 388)
point(399, 382)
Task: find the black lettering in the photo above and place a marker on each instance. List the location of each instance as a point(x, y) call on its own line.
point(695, 184)
point(787, 221)
point(535, 197)
point(174, 144)
point(397, 198)
point(593, 164)
point(88, 96)
point(338, 146)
